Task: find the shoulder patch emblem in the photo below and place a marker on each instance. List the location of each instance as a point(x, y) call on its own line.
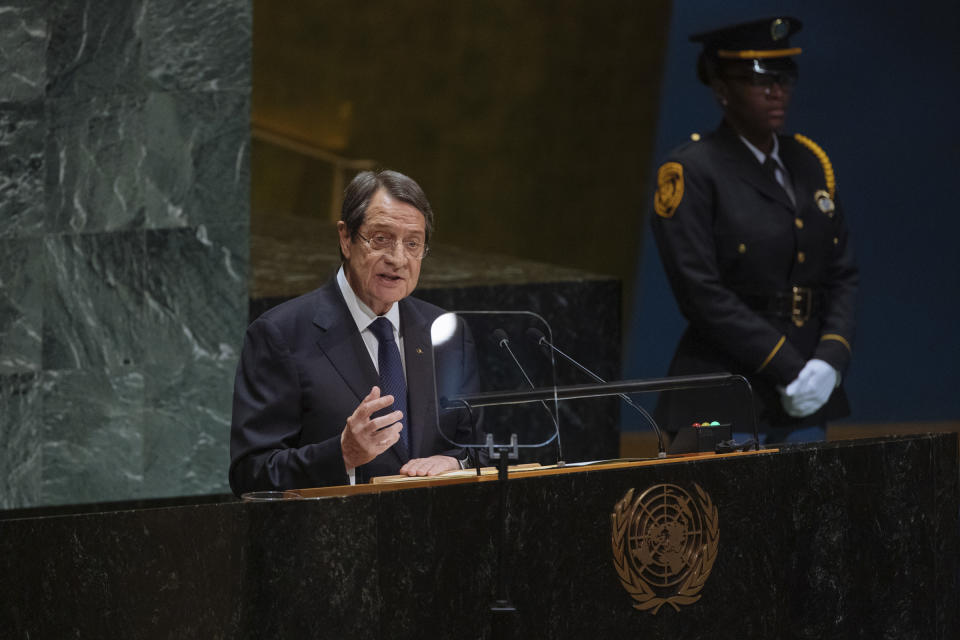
point(669, 189)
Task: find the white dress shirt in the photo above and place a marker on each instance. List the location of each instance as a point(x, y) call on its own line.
point(364, 316)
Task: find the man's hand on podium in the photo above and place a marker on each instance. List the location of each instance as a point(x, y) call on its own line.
point(432, 466)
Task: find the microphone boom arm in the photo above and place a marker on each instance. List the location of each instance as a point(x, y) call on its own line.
point(579, 391)
point(541, 341)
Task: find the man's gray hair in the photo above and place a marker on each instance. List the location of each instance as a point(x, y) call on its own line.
point(360, 191)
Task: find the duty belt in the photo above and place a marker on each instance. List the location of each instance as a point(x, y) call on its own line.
point(797, 305)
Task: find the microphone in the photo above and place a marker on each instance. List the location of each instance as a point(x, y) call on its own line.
point(536, 336)
point(503, 341)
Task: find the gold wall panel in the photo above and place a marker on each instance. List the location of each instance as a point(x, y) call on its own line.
point(529, 125)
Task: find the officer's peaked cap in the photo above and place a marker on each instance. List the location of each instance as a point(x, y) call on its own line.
point(758, 39)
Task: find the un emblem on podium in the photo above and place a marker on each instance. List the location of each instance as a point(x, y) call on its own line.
point(665, 542)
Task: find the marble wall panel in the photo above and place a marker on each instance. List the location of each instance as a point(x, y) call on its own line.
point(21, 310)
point(195, 318)
point(186, 448)
point(95, 48)
point(198, 45)
point(22, 133)
point(92, 436)
point(20, 433)
point(117, 117)
point(154, 160)
point(23, 46)
point(93, 305)
point(197, 161)
point(94, 172)
point(195, 286)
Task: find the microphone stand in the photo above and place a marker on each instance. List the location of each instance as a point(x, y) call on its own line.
point(540, 340)
point(502, 610)
point(504, 343)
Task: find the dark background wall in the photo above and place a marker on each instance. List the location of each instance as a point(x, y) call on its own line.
point(879, 92)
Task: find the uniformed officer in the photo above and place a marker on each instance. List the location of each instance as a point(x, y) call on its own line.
point(755, 246)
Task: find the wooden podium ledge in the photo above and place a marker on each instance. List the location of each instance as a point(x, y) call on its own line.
point(488, 474)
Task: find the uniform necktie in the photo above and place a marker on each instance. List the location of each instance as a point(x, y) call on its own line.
point(770, 167)
point(392, 381)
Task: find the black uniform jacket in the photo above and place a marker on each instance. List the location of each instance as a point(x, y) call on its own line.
point(302, 373)
point(733, 248)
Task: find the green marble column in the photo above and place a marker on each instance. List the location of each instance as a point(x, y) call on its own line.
point(124, 226)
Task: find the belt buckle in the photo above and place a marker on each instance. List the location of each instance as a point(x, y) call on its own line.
point(801, 305)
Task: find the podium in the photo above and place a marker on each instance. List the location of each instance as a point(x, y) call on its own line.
point(833, 540)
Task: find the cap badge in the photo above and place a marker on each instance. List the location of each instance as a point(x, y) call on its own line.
point(779, 29)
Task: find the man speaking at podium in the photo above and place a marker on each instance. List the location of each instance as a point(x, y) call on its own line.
point(337, 386)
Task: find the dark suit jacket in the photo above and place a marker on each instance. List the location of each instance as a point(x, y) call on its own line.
point(303, 371)
point(736, 234)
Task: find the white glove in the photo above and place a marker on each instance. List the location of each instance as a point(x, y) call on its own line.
point(811, 390)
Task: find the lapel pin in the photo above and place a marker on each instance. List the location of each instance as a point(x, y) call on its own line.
point(824, 202)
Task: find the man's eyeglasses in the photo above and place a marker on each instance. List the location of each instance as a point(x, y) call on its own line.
point(382, 243)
